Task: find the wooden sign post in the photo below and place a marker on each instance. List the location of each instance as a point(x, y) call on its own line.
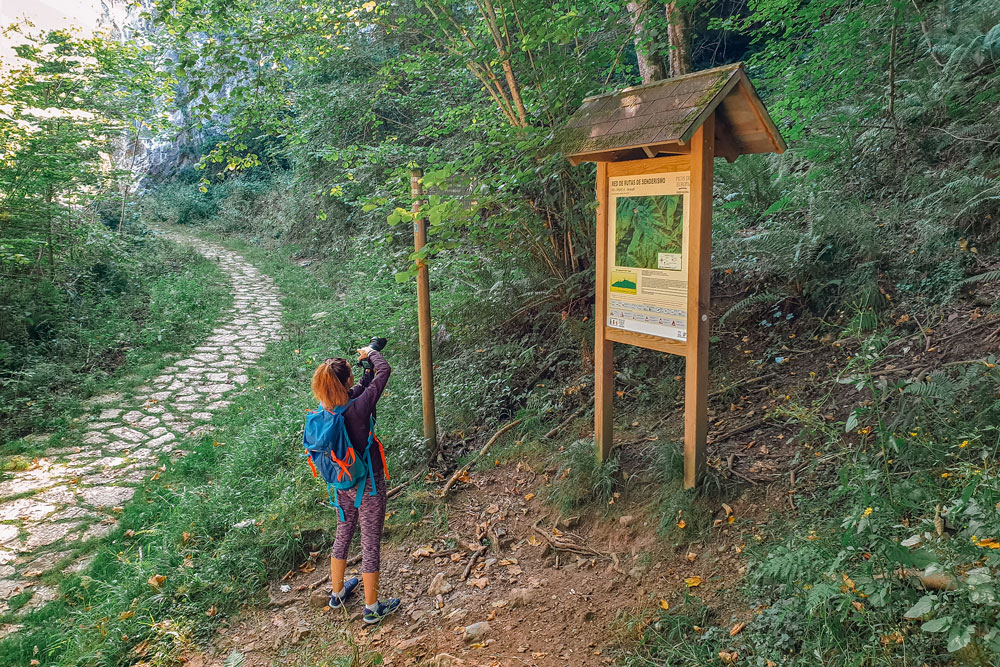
point(423, 314)
point(654, 224)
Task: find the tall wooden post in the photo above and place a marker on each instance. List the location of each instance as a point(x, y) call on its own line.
point(604, 368)
point(424, 314)
point(699, 281)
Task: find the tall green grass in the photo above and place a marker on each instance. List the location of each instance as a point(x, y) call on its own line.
point(106, 326)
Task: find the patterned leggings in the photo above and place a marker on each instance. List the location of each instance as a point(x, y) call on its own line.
point(372, 515)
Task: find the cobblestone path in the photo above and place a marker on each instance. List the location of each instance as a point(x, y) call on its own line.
point(74, 494)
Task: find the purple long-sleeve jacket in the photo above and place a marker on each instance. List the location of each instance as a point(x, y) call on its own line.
point(365, 395)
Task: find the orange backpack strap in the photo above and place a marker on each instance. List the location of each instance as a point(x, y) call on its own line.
point(344, 465)
point(381, 449)
point(309, 459)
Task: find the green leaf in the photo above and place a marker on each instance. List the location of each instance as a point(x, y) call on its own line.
point(960, 638)
point(852, 422)
point(937, 625)
point(923, 607)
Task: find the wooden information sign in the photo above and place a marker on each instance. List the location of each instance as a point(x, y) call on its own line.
point(654, 146)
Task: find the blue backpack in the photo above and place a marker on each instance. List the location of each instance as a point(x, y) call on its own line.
point(331, 455)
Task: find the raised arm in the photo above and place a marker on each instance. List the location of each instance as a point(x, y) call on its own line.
point(370, 394)
point(359, 387)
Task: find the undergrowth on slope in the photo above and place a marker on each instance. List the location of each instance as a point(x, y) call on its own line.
point(895, 560)
point(106, 325)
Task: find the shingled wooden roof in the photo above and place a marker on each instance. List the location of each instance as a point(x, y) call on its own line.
point(661, 117)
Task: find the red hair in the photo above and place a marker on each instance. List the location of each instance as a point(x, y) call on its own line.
point(329, 383)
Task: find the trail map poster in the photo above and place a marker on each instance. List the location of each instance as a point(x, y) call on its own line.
point(648, 223)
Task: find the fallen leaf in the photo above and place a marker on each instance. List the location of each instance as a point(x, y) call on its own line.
point(692, 582)
point(423, 552)
point(682, 524)
point(728, 658)
point(126, 615)
point(737, 629)
point(212, 611)
point(557, 532)
point(185, 537)
point(307, 567)
point(728, 509)
point(858, 605)
point(478, 582)
point(156, 581)
point(691, 556)
point(664, 605)
point(533, 540)
point(457, 556)
point(529, 496)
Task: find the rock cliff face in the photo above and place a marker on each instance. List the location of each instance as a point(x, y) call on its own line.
point(150, 158)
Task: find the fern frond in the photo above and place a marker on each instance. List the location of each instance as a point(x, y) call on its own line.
point(750, 301)
point(936, 390)
point(987, 277)
point(235, 659)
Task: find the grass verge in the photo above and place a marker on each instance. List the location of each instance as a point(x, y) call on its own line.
point(130, 315)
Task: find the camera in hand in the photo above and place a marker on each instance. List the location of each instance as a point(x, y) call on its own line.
point(377, 344)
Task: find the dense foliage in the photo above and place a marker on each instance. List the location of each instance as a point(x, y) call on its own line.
point(82, 290)
point(310, 115)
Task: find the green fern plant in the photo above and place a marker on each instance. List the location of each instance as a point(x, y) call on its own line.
point(987, 277)
point(746, 304)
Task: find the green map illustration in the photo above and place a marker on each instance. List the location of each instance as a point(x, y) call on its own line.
point(647, 226)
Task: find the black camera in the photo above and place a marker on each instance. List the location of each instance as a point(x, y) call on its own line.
point(377, 344)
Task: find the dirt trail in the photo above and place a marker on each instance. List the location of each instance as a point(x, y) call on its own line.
point(73, 494)
point(544, 606)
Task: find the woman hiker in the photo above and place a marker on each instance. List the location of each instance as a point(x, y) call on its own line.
point(333, 385)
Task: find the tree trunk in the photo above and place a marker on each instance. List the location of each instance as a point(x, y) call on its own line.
point(499, 39)
point(50, 238)
point(680, 40)
point(650, 66)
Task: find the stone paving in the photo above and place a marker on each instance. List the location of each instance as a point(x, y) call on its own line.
point(74, 494)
